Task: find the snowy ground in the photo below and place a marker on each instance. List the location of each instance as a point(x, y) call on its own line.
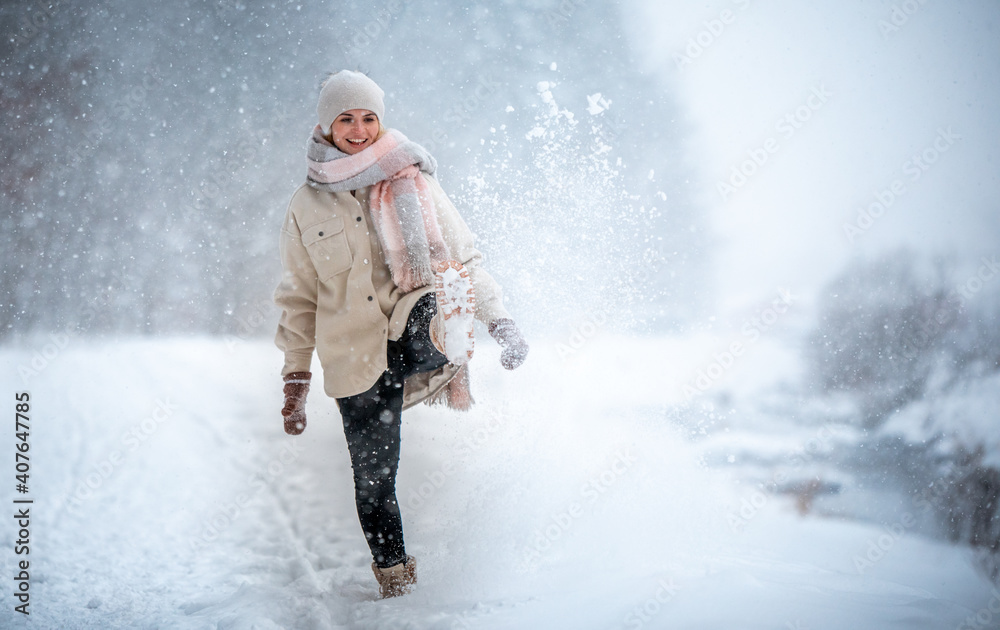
point(167, 496)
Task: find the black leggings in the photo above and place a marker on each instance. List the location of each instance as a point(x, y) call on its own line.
point(371, 425)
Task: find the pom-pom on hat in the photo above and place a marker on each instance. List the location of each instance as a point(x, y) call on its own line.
point(348, 90)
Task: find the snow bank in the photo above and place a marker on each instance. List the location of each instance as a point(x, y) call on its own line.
point(964, 419)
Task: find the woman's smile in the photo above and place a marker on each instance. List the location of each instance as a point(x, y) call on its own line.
point(354, 131)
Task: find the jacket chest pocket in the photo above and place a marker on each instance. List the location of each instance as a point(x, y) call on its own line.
point(328, 248)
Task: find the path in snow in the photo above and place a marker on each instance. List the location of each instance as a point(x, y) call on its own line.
point(561, 501)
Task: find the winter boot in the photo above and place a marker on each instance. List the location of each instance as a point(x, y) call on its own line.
point(396, 580)
point(451, 328)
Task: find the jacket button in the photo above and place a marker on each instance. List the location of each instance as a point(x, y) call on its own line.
point(370, 298)
point(359, 218)
point(321, 234)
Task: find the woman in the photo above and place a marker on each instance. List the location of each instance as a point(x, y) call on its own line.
point(382, 279)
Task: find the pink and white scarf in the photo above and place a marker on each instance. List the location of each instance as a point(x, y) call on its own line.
point(401, 205)
point(403, 213)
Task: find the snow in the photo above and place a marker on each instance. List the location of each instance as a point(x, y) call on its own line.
point(734, 157)
point(553, 504)
point(965, 417)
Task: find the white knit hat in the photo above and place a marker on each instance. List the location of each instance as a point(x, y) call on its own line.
point(348, 90)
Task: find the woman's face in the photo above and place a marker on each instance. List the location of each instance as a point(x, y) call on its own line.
point(354, 131)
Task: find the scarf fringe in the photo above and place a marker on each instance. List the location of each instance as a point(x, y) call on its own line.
point(457, 394)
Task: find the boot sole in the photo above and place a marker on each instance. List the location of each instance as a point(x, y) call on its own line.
point(456, 304)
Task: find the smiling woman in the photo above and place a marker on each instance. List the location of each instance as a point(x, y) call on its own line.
point(383, 280)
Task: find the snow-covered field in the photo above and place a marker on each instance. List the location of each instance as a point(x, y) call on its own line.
point(167, 496)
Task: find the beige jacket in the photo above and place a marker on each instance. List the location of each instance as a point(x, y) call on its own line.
point(337, 295)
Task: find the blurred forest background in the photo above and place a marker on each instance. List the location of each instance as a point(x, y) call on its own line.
point(150, 150)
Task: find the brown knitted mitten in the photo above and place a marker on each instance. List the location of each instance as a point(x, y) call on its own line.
point(294, 411)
